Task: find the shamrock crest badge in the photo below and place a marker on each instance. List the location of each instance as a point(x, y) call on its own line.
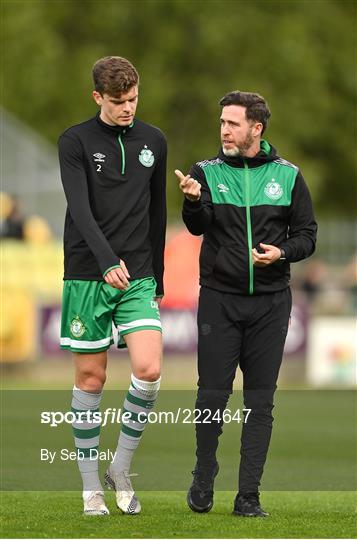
point(146, 157)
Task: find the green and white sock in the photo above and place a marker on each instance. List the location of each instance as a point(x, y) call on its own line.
point(86, 438)
point(140, 398)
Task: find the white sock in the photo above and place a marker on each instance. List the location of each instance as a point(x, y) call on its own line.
point(139, 399)
point(86, 437)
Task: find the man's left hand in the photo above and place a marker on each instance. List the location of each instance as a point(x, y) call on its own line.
point(270, 255)
point(158, 299)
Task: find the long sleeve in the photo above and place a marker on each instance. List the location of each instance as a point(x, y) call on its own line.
point(158, 216)
point(197, 216)
point(302, 225)
point(75, 186)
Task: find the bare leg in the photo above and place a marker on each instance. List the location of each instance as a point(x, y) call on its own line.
point(145, 350)
point(90, 372)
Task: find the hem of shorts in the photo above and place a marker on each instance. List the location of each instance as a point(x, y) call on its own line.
point(87, 351)
point(131, 330)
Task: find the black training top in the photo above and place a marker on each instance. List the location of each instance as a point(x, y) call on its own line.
point(245, 202)
point(114, 180)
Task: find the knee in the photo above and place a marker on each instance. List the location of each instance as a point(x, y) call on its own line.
point(261, 405)
point(259, 400)
point(212, 398)
point(149, 373)
point(91, 380)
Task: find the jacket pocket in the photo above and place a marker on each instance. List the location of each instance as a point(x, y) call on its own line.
point(273, 277)
point(232, 266)
point(207, 259)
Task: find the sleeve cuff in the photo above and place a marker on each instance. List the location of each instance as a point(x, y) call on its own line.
point(287, 250)
point(191, 205)
point(111, 268)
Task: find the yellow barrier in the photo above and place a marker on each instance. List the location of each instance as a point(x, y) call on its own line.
point(18, 325)
point(36, 268)
point(30, 275)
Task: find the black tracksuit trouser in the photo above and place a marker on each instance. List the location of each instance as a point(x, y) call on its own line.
point(248, 331)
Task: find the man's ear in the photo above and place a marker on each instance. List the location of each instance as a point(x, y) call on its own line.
point(257, 129)
point(98, 98)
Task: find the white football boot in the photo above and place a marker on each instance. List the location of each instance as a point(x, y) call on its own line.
point(125, 495)
point(94, 504)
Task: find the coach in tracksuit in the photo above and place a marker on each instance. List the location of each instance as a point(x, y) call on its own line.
point(255, 213)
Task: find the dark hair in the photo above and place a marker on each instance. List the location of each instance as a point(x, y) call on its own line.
point(114, 75)
point(256, 107)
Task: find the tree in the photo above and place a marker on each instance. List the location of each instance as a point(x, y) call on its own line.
point(300, 55)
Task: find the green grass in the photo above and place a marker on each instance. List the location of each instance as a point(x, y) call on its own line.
point(165, 515)
point(312, 452)
point(313, 446)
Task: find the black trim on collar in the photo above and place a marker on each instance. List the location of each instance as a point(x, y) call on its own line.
point(112, 129)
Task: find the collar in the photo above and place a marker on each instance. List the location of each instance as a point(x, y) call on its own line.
point(266, 153)
point(116, 130)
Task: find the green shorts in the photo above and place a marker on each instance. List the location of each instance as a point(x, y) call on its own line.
point(90, 308)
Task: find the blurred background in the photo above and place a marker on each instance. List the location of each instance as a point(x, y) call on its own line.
point(301, 56)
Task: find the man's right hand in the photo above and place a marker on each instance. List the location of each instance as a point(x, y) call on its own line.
point(118, 277)
point(189, 186)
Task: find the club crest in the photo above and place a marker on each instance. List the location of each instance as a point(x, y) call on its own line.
point(146, 157)
point(273, 190)
point(77, 327)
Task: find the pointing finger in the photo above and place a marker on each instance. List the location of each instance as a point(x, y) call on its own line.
point(183, 179)
point(179, 175)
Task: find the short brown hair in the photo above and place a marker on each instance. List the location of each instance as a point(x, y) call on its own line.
point(257, 108)
point(114, 75)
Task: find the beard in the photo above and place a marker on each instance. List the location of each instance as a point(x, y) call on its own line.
point(241, 148)
point(231, 152)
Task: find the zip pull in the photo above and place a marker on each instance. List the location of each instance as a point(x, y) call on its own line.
point(122, 152)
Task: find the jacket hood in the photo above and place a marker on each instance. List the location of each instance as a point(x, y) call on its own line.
point(266, 153)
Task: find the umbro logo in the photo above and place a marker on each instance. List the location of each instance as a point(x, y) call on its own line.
point(99, 157)
point(222, 188)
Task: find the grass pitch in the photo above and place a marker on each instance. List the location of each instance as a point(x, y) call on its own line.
point(166, 515)
point(313, 448)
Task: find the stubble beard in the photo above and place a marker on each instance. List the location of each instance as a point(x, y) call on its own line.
point(241, 149)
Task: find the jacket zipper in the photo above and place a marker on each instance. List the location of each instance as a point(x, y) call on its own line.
point(122, 152)
point(249, 227)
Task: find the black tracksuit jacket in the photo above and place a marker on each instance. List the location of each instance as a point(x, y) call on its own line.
point(245, 201)
point(114, 181)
